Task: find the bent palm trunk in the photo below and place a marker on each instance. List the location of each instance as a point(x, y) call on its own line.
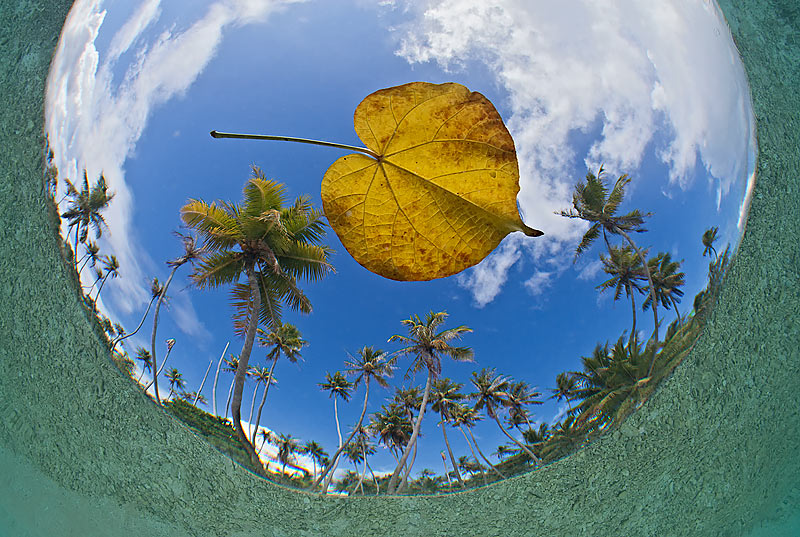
point(414, 435)
point(263, 399)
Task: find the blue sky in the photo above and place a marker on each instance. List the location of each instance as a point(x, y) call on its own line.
point(656, 92)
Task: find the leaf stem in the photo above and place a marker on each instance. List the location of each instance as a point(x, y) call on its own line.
point(371, 153)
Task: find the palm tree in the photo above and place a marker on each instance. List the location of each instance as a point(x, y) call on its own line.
point(92, 255)
point(191, 252)
point(316, 452)
point(261, 375)
point(368, 364)
point(193, 398)
point(709, 237)
point(266, 436)
point(111, 268)
point(216, 380)
point(592, 202)
point(566, 437)
point(466, 416)
point(427, 347)
point(155, 292)
point(337, 387)
point(154, 382)
point(444, 395)
point(231, 365)
point(284, 339)
point(409, 399)
point(625, 269)
point(175, 381)
point(470, 465)
point(518, 397)
point(566, 387)
point(287, 447)
point(393, 428)
point(667, 281)
point(492, 393)
point(85, 207)
point(272, 246)
point(143, 355)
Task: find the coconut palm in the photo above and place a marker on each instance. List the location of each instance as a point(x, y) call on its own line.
point(519, 396)
point(466, 416)
point(667, 281)
point(392, 426)
point(111, 269)
point(92, 255)
point(175, 381)
point(154, 382)
point(709, 237)
point(231, 365)
point(492, 394)
point(409, 399)
point(85, 207)
point(272, 246)
point(444, 395)
point(287, 448)
point(266, 436)
point(191, 252)
point(155, 292)
point(337, 387)
point(368, 364)
point(625, 269)
point(427, 346)
point(284, 339)
point(216, 380)
point(262, 375)
point(566, 386)
point(566, 437)
point(593, 203)
point(143, 355)
point(316, 452)
point(193, 398)
point(469, 465)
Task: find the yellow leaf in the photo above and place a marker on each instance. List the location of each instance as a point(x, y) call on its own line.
point(442, 192)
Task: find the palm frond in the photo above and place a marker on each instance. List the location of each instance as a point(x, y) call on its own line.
point(216, 269)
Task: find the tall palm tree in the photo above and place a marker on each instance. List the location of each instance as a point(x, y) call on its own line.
point(566, 387)
point(316, 452)
point(155, 292)
point(92, 255)
point(338, 387)
point(593, 203)
point(287, 448)
point(284, 339)
point(85, 207)
point(368, 364)
point(111, 269)
point(709, 237)
point(266, 436)
point(191, 252)
point(392, 427)
point(409, 399)
point(143, 355)
point(265, 376)
point(175, 381)
point(519, 396)
point(667, 281)
point(216, 380)
point(427, 346)
point(625, 269)
point(272, 246)
point(492, 394)
point(444, 395)
point(154, 382)
point(466, 416)
point(231, 365)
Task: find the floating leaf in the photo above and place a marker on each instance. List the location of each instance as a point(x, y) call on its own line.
point(440, 193)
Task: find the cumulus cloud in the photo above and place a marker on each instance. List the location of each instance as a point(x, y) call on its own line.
point(637, 72)
point(94, 123)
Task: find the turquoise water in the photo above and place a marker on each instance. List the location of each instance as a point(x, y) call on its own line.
point(713, 453)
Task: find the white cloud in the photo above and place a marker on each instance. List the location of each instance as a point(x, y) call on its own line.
point(93, 123)
point(485, 280)
point(635, 69)
point(590, 271)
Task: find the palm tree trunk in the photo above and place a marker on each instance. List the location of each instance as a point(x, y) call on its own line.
point(330, 471)
point(264, 398)
point(517, 442)
point(633, 310)
point(446, 473)
point(483, 474)
point(363, 472)
point(450, 451)
point(407, 473)
point(216, 379)
point(492, 466)
point(652, 294)
point(200, 389)
point(253, 406)
point(241, 371)
point(126, 336)
point(155, 328)
point(101, 286)
point(414, 435)
point(374, 480)
point(230, 394)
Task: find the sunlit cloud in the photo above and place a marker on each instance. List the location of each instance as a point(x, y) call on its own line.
point(625, 69)
point(94, 122)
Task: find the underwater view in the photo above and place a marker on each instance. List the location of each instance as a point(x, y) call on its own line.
point(522, 237)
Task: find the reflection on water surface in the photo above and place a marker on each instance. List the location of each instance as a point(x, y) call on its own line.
point(560, 346)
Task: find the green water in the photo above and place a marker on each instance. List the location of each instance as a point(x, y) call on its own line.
point(83, 452)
